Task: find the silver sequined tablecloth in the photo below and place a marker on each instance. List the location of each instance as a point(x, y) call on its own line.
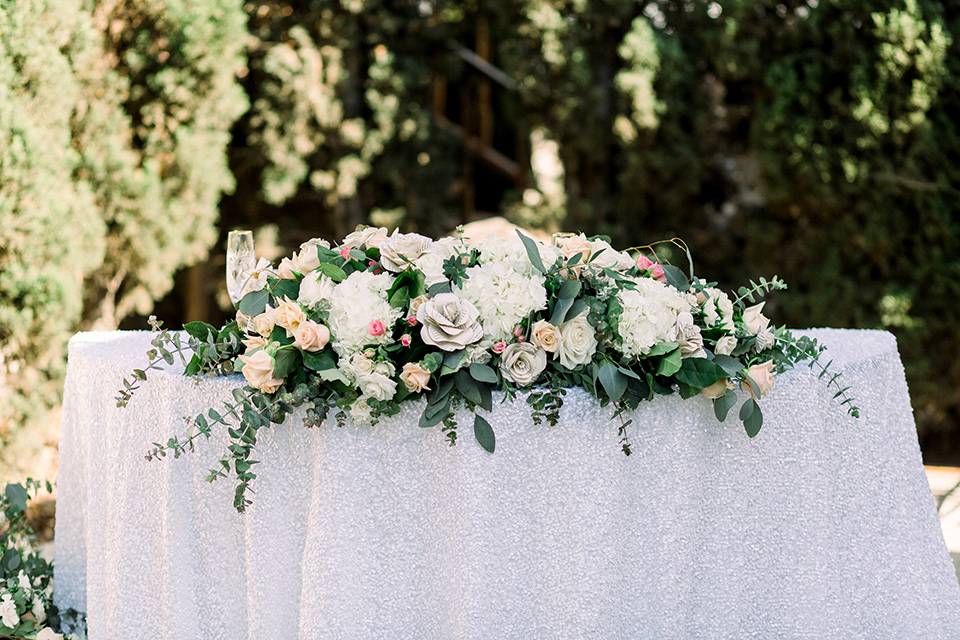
point(820, 527)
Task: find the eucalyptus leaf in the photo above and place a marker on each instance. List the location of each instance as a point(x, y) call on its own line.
point(467, 386)
point(676, 277)
point(731, 366)
point(751, 416)
point(560, 311)
point(569, 289)
point(318, 361)
point(483, 373)
point(484, 433)
point(614, 382)
point(254, 303)
point(17, 496)
point(532, 252)
point(284, 362)
point(670, 364)
point(289, 289)
point(699, 372)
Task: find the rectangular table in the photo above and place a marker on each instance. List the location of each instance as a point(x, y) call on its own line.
point(822, 526)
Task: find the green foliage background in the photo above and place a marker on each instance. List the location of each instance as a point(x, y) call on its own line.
point(813, 139)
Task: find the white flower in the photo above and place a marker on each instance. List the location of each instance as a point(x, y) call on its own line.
point(606, 257)
point(545, 335)
point(361, 411)
point(504, 296)
point(49, 634)
point(314, 288)
point(765, 339)
point(578, 342)
point(39, 612)
point(8, 611)
point(379, 383)
point(431, 262)
point(23, 581)
point(365, 237)
point(717, 308)
point(522, 363)
point(726, 345)
point(402, 249)
point(449, 322)
point(513, 252)
point(258, 279)
point(753, 320)
point(687, 334)
point(649, 315)
point(479, 352)
point(354, 304)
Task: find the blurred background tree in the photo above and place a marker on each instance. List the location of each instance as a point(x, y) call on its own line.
point(814, 139)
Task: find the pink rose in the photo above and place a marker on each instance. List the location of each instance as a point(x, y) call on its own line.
point(258, 370)
point(405, 340)
point(311, 336)
point(499, 347)
point(376, 328)
point(653, 269)
point(415, 378)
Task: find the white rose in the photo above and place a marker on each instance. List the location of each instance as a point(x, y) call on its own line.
point(415, 378)
point(449, 322)
point(762, 375)
point(314, 288)
point(726, 345)
point(258, 370)
point(258, 279)
point(361, 411)
point(431, 265)
point(23, 581)
point(8, 612)
point(306, 260)
point(522, 363)
point(402, 249)
point(39, 612)
point(578, 342)
point(545, 335)
point(687, 334)
point(753, 320)
point(48, 634)
point(377, 386)
point(365, 237)
point(606, 257)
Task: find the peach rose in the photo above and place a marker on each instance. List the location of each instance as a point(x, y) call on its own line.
point(265, 322)
point(311, 336)
point(289, 314)
point(287, 268)
point(717, 390)
point(545, 335)
point(753, 320)
point(762, 375)
point(415, 378)
point(258, 370)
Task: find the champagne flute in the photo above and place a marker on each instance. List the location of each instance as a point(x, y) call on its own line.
point(241, 262)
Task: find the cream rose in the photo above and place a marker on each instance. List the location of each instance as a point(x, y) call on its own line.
point(753, 320)
point(289, 314)
point(403, 249)
point(726, 345)
point(416, 302)
point(522, 363)
point(578, 342)
point(311, 336)
point(265, 322)
point(288, 269)
point(254, 342)
point(717, 390)
point(258, 370)
point(48, 634)
point(762, 375)
point(365, 237)
point(415, 378)
point(545, 335)
point(449, 322)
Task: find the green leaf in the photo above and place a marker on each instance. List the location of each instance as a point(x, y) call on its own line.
point(579, 305)
point(452, 361)
point(560, 311)
point(614, 382)
point(467, 386)
point(662, 348)
point(436, 416)
point(486, 397)
point(532, 252)
point(751, 416)
point(284, 362)
point(670, 363)
point(730, 366)
point(289, 289)
point(254, 303)
point(193, 367)
point(17, 496)
point(333, 272)
point(569, 289)
point(723, 404)
point(484, 432)
point(318, 361)
point(483, 373)
point(332, 375)
point(438, 288)
point(400, 298)
point(676, 277)
point(11, 559)
point(699, 372)
point(200, 330)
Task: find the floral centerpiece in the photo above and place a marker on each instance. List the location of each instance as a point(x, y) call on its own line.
point(378, 320)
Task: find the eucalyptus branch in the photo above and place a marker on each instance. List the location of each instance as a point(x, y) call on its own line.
point(761, 288)
point(622, 429)
point(806, 348)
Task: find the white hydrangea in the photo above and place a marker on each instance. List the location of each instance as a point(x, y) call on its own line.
point(649, 315)
point(717, 308)
point(354, 304)
point(503, 295)
point(513, 252)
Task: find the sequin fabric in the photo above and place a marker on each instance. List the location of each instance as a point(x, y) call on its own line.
point(820, 527)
